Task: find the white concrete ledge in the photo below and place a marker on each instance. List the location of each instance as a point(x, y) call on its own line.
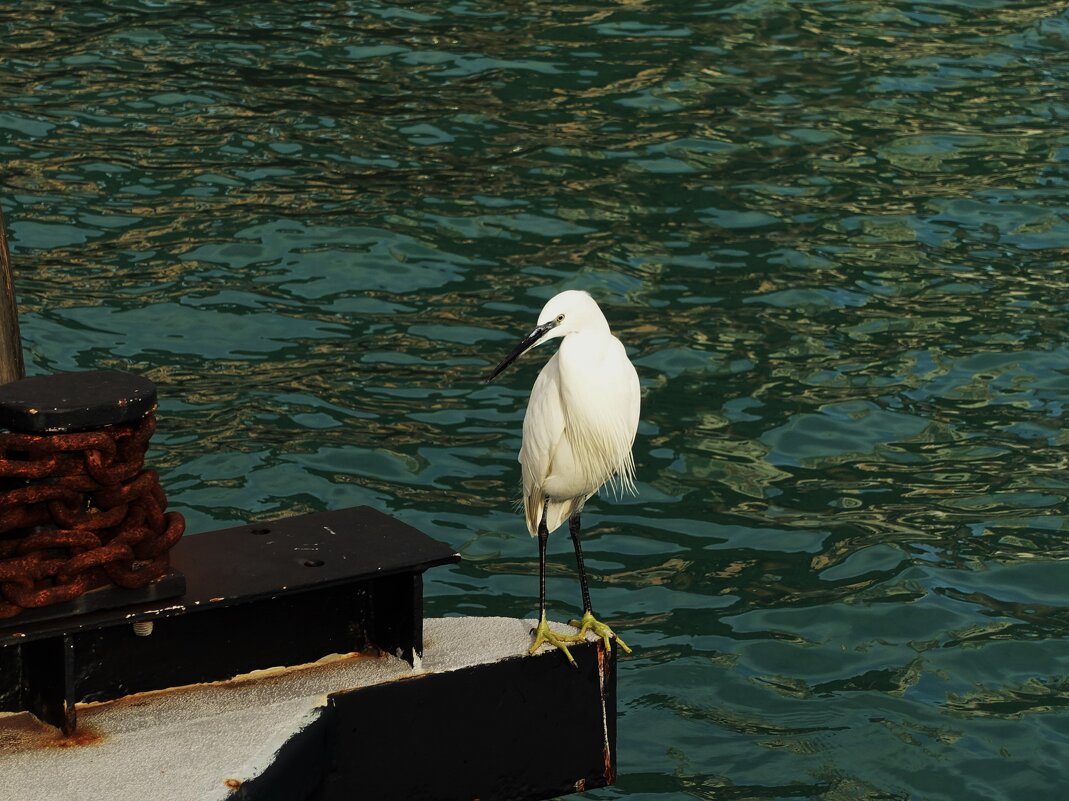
point(198, 743)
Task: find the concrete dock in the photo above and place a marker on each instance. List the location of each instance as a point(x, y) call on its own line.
point(228, 739)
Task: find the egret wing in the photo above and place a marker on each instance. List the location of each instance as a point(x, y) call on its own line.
point(543, 430)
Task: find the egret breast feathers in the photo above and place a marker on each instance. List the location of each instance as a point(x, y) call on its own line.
point(601, 397)
point(579, 428)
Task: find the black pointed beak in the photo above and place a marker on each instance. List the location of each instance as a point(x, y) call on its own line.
point(528, 342)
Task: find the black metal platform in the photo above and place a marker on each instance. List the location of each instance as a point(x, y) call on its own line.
point(263, 595)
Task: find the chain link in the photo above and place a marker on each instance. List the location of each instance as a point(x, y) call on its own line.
point(77, 512)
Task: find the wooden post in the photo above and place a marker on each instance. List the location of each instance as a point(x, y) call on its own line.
point(11, 366)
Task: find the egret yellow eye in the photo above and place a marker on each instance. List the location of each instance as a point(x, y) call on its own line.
point(560, 318)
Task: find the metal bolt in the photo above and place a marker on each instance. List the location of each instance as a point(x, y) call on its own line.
point(143, 628)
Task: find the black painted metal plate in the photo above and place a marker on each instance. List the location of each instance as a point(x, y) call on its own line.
point(263, 560)
point(66, 402)
point(305, 551)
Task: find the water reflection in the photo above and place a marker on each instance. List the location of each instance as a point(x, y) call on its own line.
point(832, 236)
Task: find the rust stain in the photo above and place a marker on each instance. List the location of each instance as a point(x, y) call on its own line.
point(262, 677)
point(22, 732)
point(85, 735)
point(609, 773)
point(233, 784)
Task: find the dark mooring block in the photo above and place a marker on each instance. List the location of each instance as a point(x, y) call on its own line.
point(519, 729)
point(526, 728)
point(67, 402)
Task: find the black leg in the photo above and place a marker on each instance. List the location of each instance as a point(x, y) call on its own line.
point(589, 622)
point(543, 634)
point(543, 538)
point(573, 527)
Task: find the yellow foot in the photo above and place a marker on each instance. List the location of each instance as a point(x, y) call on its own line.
point(544, 635)
point(591, 623)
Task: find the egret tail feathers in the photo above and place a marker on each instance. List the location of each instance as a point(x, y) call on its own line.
point(556, 512)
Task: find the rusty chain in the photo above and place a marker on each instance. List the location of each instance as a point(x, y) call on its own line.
point(77, 512)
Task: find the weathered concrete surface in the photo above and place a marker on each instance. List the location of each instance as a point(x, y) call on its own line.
point(198, 743)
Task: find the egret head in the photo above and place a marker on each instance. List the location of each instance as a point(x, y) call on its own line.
point(569, 312)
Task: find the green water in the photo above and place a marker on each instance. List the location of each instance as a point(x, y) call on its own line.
point(833, 235)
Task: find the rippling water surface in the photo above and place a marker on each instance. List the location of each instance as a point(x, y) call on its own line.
point(833, 235)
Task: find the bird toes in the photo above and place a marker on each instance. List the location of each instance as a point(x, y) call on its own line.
point(592, 624)
point(543, 635)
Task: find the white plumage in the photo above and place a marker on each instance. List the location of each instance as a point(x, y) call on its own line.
point(581, 417)
point(581, 421)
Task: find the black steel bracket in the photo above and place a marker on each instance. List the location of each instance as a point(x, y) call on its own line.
point(264, 595)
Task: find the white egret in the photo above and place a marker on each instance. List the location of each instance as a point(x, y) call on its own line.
point(580, 424)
